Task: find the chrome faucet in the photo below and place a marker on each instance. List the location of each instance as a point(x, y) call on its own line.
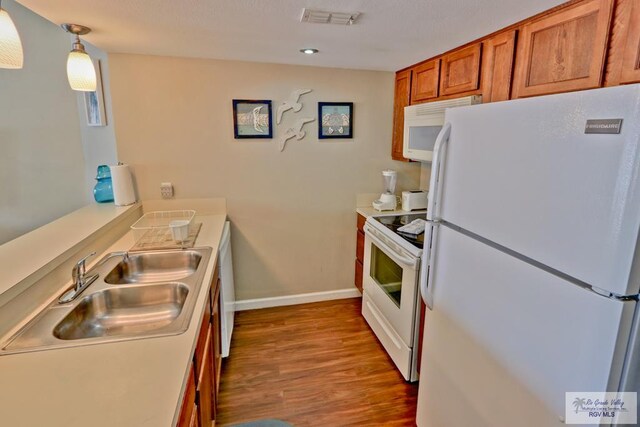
point(80, 280)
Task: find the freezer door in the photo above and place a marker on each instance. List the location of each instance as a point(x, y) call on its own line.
point(506, 340)
point(525, 175)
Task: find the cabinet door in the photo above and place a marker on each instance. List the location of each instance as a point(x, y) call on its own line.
point(631, 59)
point(360, 246)
point(205, 384)
point(461, 71)
point(563, 51)
point(188, 401)
point(358, 275)
point(216, 345)
point(424, 84)
point(497, 67)
point(400, 100)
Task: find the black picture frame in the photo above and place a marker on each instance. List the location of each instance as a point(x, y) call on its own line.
point(244, 130)
point(337, 130)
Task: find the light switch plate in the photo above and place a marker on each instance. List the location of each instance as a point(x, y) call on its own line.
point(166, 190)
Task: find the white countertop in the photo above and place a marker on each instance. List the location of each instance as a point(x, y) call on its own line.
point(367, 211)
point(43, 245)
point(129, 383)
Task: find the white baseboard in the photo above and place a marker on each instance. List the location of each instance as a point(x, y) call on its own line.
point(252, 304)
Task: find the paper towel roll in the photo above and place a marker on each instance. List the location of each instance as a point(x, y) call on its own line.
point(123, 193)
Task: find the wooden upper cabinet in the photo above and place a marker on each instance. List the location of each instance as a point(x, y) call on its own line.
point(630, 72)
point(425, 80)
point(460, 71)
point(497, 66)
point(563, 51)
point(401, 99)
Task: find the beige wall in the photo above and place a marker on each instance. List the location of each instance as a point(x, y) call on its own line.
point(42, 173)
point(98, 142)
point(292, 212)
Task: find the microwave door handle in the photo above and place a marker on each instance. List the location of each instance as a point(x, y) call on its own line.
point(435, 182)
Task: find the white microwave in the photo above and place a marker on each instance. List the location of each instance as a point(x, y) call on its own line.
point(422, 124)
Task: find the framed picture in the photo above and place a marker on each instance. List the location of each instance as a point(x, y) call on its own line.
point(252, 119)
point(336, 120)
point(94, 101)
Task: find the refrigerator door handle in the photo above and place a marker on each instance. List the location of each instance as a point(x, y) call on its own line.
point(436, 172)
point(433, 219)
point(426, 270)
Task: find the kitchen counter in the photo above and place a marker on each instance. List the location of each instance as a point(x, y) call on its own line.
point(129, 383)
point(367, 211)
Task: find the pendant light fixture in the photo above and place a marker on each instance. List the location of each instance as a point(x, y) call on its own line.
point(80, 70)
point(11, 55)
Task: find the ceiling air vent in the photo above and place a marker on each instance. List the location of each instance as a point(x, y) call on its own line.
point(322, 17)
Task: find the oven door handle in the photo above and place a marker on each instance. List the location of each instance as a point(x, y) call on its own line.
point(408, 262)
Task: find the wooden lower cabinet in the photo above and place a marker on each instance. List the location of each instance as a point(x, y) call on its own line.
point(204, 391)
point(563, 51)
point(497, 66)
point(188, 408)
point(358, 275)
point(216, 344)
point(194, 422)
point(201, 394)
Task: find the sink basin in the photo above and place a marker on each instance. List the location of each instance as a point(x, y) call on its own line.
point(153, 267)
point(148, 294)
point(123, 311)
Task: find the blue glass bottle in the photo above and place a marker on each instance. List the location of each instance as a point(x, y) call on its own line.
point(103, 191)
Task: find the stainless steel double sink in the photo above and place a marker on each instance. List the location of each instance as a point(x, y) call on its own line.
point(146, 294)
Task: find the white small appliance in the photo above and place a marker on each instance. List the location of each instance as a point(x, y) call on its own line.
point(414, 200)
point(388, 200)
point(422, 124)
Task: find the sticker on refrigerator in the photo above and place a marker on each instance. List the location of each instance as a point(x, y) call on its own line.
point(601, 408)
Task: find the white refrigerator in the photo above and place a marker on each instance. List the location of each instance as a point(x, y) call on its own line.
point(531, 267)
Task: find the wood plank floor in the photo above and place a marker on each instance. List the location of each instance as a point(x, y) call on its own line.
point(314, 364)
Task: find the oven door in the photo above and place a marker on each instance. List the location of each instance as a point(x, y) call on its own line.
point(390, 276)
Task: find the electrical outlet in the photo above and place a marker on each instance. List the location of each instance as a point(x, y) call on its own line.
point(166, 190)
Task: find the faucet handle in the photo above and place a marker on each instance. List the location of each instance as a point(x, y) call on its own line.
point(80, 269)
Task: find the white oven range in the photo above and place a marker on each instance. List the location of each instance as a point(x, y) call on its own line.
point(391, 297)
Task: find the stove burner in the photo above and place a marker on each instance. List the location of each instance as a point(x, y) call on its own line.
point(397, 221)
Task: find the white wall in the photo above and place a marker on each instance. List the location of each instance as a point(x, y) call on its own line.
point(42, 173)
point(293, 213)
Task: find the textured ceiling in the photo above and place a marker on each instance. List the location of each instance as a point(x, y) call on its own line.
point(389, 35)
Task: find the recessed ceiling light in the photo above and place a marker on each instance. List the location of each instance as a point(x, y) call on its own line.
point(309, 51)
